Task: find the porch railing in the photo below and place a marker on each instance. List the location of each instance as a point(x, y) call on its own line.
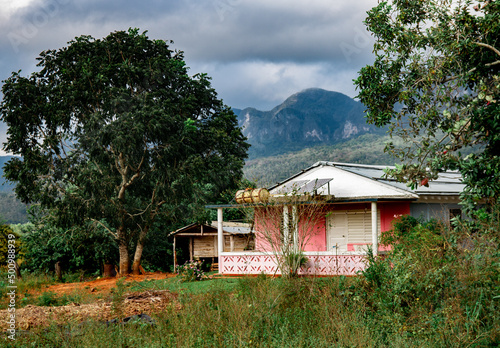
point(319, 263)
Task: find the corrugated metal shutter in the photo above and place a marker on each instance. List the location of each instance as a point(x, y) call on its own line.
point(359, 226)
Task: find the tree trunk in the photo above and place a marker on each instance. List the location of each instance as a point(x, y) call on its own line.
point(108, 270)
point(123, 251)
point(58, 271)
point(18, 270)
point(138, 251)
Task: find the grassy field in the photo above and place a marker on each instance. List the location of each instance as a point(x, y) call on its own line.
point(437, 288)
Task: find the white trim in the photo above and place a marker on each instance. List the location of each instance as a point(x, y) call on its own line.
point(220, 232)
point(374, 229)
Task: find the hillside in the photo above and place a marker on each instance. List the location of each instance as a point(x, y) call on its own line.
point(308, 118)
point(366, 149)
point(4, 185)
point(12, 211)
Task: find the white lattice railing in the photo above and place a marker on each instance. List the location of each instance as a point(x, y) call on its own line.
point(319, 263)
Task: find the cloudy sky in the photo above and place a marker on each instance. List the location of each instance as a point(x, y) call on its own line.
point(258, 52)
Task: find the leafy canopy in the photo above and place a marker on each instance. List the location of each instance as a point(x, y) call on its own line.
point(115, 131)
point(435, 81)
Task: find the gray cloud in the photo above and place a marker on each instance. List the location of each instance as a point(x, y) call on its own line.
point(257, 52)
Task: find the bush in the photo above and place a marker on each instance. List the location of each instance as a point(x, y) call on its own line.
point(436, 285)
point(191, 271)
point(80, 248)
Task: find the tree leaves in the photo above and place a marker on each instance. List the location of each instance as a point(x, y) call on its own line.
point(435, 82)
point(115, 129)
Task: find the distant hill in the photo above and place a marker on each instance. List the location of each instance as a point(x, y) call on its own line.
point(4, 185)
point(308, 118)
point(12, 211)
point(365, 149)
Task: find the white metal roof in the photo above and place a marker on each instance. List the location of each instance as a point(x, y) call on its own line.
point(357, 181)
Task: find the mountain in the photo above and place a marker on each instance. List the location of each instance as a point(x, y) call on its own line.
point(12, 211)
point(4, 185)
point(308, 118)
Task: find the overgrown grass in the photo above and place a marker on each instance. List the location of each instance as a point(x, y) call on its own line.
point(250, 312)
point(437, 288)
point(29, 282)
point(190, 288)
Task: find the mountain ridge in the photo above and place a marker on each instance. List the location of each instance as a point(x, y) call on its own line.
point(311, 117)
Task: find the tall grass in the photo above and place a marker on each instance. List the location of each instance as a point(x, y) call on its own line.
point(436, 288)
point(257, 312)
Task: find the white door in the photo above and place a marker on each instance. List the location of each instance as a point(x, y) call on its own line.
point(336, 232)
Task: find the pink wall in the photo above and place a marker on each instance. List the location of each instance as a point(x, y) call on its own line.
point(390, 211)
point(317, 242)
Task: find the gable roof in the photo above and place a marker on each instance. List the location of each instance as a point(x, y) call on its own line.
point(347, 181)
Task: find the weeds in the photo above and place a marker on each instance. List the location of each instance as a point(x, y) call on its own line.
point(117, 298)
point(436, 288)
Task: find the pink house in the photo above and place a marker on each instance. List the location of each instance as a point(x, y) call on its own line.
point(355, 205)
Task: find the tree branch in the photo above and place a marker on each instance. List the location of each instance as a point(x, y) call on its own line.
point(106, 228)
point(489, 47)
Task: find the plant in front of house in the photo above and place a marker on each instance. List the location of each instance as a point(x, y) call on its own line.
point(286, 225)
point(191, 271)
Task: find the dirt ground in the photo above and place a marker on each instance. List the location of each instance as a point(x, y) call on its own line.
point(103, 285)
point(103, 309)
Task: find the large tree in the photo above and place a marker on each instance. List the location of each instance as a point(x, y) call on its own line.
point(435, 81)
point(115, 131)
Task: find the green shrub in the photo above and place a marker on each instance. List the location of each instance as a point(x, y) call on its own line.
point(437, 284)
point(48, 298)
point(79, 248)
point(191, 271)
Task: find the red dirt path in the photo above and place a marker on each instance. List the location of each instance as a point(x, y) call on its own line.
point(103, 285)
point(150, 302)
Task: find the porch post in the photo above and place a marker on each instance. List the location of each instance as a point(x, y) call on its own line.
point(374, 229)
point(220, 236)
point(191, 258)
point(295, 231)
point(286, 227)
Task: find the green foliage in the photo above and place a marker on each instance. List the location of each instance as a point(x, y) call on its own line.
point(114, 131)
point(158, 248)
point(436, 285)
point(191, 271)
point(228, 197)
point(47, 298)
point(76, 249)
point(6, 234)
point(117, 298)
point(294, 261)
point(435, 81)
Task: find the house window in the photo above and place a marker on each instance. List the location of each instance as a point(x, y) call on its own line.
point(349, 230)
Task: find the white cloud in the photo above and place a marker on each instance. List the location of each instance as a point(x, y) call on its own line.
point(9, 7)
